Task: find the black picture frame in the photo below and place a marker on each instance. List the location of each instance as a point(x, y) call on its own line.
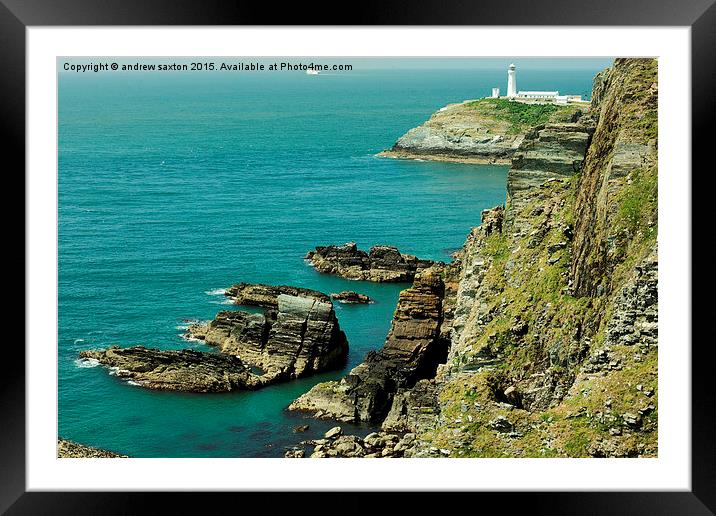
point(17, 15)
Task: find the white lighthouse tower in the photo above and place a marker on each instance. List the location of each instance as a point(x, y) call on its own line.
point(511, 81)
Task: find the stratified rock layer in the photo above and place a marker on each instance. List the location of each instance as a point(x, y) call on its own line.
point(476, 131)
point(302, 336)
point(381, 264)
point(184, 370)
point(413, 349)
point(266, 296)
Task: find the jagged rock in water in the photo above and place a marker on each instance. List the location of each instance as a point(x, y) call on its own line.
point(72, 450)
point(381, 264)
point(266, 296)
point(184, 370)
point(350, 297)
point(302, 336)
point(413, 349)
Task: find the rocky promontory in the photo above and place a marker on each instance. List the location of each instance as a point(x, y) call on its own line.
point(72, 450)
point(298, 335)
point(382, 263)
point(477, 131)
point(413, 349)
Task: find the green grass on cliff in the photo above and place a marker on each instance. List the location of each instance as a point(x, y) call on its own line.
point(522, 116)
point(637, 203)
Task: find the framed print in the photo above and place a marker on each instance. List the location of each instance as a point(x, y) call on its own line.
point(260, 255)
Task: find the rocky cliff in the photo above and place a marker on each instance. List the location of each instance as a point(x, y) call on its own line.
point(477, 131)
point(553, 325)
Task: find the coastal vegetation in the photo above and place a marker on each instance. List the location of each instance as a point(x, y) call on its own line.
point(520, 115)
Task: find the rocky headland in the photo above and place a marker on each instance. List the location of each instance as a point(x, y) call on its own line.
point(298, 335)
point(72, 450)
point(477, 131)
point(547, 317)
point(382, 263)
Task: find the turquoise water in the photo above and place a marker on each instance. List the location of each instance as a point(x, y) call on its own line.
point(175, 185)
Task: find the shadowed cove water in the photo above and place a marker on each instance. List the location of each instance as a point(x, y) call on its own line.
point(173, 186)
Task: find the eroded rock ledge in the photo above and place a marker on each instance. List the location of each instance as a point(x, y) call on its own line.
point(382, 263)
point(415, 345)
point(301, 336)
point(183, 370)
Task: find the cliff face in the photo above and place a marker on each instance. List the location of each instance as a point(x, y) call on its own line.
point(552, 317)
point(553, 347)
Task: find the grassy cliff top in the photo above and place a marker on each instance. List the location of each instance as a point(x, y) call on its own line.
point(519, 115)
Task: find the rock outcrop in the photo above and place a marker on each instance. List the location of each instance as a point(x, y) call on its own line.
point(382, 263)
point(374, 445)
point(184, 370)
point(301, 337)
point(298, 335)
point(72, 450)
point(548, 151)
point(266, 296)
point(413, 349)
point(476, 131)
point(350, 297)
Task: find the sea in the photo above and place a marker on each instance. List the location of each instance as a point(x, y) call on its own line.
point(173, 186)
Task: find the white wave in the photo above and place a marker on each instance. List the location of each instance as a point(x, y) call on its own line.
point(86, 362)
point(188, 337)
point(183, 326)
point(77, 341)
point(132, 382)
point(216, 292)
point(224, 302)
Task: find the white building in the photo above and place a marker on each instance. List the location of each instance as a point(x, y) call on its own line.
point(545, 96)
point(533, 96)
point(511, 81)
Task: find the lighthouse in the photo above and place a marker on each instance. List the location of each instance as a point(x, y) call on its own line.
point(511, 81)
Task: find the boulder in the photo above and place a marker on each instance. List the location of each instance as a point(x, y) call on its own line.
point(350, 297)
